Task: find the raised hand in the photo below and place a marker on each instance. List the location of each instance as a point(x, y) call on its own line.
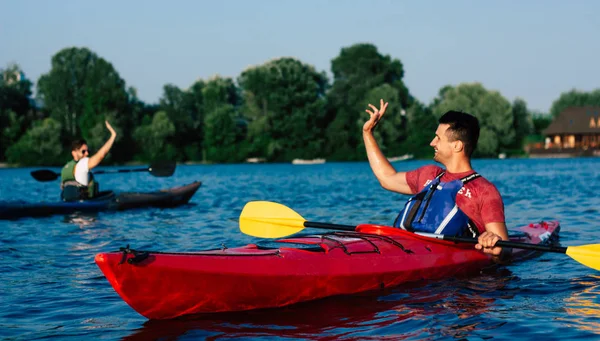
point(376, 115)
point(110, 128)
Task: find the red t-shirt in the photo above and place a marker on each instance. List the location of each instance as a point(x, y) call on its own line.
point(479, 199)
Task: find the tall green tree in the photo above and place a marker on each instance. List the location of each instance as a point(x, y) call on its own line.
point(16, 109)
point(14, 77)
point(223, 135)
point(194, 101)
point(140, 113)
point(80, 90)
point(522, 122)
point(357, 70)
point(284, 102)
point(156, 137)
point(221, 101)
point(493, 111)
point(218, 92)
point(39, 146)
point(575, 98)
point(540, 122)
point(421, 128)
point(185, 109)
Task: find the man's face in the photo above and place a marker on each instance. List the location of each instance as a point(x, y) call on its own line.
point(81, 152)
point(442, 146)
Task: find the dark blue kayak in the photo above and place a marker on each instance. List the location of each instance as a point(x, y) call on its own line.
point(105, 201)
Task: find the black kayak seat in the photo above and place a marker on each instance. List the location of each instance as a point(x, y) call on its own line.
point(74, 193)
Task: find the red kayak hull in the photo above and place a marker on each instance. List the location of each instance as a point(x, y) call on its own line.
point(167, 285)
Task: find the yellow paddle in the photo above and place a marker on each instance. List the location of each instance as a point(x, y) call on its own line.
point(267, 219)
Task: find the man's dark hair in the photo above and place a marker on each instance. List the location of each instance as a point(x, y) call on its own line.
point(463, 127)
point(77, 144)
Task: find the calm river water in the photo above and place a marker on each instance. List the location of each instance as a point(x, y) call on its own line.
point(52, 289)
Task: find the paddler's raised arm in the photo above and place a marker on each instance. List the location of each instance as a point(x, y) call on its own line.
point(100, 154)
point(388, 177)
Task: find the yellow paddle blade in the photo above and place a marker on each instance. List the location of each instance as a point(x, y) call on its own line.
point(267, 219)
point(588, 255)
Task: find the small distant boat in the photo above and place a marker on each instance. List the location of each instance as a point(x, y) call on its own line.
point(307, 162)
point(255, 160)
point(502, 156)
point(400, 158)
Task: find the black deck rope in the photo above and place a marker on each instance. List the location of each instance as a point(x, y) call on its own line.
point(140, 255)
point(340, 244)
point(345, 249)
point(377, 236)
point(366, 237)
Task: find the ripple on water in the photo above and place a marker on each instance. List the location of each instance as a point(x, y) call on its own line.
point(51, 287)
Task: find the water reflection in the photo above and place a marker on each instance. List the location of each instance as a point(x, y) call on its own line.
point(452, 308)
point(51, 287)
point(583, 307)
point(81, 219)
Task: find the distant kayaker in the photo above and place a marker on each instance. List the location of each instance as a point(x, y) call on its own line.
point(77, 182)
point(451, 201)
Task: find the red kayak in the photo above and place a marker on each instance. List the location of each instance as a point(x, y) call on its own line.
point(164, 285)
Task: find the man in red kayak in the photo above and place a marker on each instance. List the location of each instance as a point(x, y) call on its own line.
point(451, 201)
point(77, 182)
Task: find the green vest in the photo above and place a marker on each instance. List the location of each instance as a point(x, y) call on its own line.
point(67, 177)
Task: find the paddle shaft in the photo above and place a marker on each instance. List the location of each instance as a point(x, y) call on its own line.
point(121, 171)
point(501, 243)
point(329, 226)
point(156, 169)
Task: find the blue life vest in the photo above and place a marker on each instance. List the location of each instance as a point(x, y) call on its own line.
point(434, 210)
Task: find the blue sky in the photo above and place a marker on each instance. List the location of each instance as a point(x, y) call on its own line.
point(533, 49)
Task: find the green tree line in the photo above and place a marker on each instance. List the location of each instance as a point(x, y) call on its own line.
point(280, 110)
